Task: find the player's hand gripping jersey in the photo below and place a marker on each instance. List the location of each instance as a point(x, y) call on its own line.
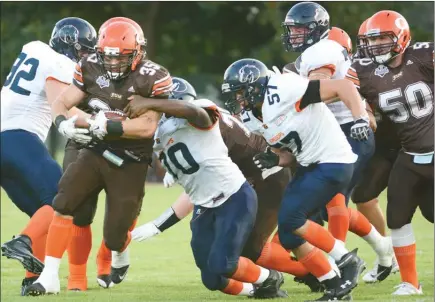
point(23, 100)
point(312, 133)
point(198, 159)
point(328, 54)
point(403, 94)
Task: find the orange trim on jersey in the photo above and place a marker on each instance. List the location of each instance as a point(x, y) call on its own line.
point(162, 85)
point(78, 69)
point(352, 73)
point(218, 115)
point(353, 80)
point(298, 106)
point(331, 67)
point(54, 79)
point(78, 78)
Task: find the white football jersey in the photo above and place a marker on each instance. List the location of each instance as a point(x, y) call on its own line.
point(330, 54)
point(312, 133)
point(198, 159)
point(23, 100)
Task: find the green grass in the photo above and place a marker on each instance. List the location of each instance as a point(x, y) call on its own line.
point(162, 269)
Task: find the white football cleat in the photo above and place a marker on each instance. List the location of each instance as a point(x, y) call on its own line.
point(407, 289)
point(371, 276)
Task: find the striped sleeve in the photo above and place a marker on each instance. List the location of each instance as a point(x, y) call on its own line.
point(162, 85)
point(78, 77)
point(353, 77)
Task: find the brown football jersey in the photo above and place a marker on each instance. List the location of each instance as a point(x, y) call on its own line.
point(403, 94)
point(242, 145)
point(148, 80)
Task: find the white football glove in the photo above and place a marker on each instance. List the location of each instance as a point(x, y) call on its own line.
point(98, 125)
point(144, 232)
point(68, 129)
point(168, 180)
point(360, 130)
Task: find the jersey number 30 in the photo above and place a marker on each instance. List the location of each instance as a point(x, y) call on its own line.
point(171, 154)
point(15, 77)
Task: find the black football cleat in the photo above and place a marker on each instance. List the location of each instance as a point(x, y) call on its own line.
point(335, 290)
point(312, 282)
point(26, 282)
point(270, 287)
point(35, 289)
point(117, 275)
point(383, 272)
point(351, 266)
point(104, 281)
point(20, 248)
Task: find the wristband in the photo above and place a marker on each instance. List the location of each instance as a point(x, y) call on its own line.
point(114, 128)
point(59, 119)
point(166, 220)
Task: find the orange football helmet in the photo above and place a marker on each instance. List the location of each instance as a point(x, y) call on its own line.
point(360, 41)
point(338, 35)
point(387, 36)
point(132, 22)
point(119, 48)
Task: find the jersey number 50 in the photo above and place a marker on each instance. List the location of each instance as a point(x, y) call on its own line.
point(15, 77)
point(179, 148)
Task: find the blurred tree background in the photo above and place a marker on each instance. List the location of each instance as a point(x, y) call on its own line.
point(197, 40)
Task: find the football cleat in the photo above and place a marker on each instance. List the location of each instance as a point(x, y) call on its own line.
point(407, 289)
point(372, 275)
point(26, 282)
point(312, 282)
point(37, 289)
point(105, 281)
point(117, 275)
point(351, 266)
point(20, 248)
point(270, 287)
point(336, 289)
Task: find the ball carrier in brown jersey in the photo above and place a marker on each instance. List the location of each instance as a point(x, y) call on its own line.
point(399, 81)
point(111, 266)
point(269, 186)
point(107, 80)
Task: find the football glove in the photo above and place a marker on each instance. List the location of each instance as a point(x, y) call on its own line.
point(266, 159)
point(145, 231)
point(360, 130)
point(168, 180)
point(98, 125)
point(67, 128)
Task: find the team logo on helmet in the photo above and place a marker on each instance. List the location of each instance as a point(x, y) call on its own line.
point(69, 34)
point(249, 74)
point(178, 86)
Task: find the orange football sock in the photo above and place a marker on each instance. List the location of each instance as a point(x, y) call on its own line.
point(59, 236)
point(338, 217)
point(104, 260)
point(39, 223)
point(316, 263)
point(248, 271)
point(274, 256)
point(237, 288)
point(276, 238)
point(127, 242)
point(358, 223)
point(319, 237)
point(407, 263)
point(38, 248)
point(78, 253)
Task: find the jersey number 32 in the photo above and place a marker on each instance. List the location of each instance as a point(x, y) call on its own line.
point(15, 77)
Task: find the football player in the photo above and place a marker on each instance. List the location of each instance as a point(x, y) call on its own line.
point(189, 143)
point(119, 160)
point(108, 272)
point(326, 54)
point(40, 73)
point(288, 111)
point(374, 179)
point(269, 186)
point(399, 82)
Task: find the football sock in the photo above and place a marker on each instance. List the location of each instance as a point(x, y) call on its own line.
point(59, 236)
point(78, 253)
point(38, 247)
point(237, 288)
point(318, 265)
point(358, 223)
point(338, 217)
point(104, 260)
point(248, 271)
point(319, 237)
point(405, 248)
point(39, 223)
point(274, 256)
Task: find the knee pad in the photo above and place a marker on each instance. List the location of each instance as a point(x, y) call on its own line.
point(219, 264)
point(288, 240)
point(212, 281)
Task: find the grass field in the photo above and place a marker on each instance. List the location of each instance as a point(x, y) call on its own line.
point(162, 269)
